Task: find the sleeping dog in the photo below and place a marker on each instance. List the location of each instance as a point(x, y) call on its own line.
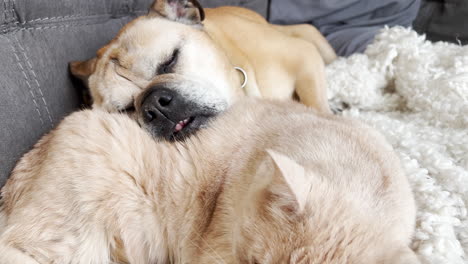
point(192, 63)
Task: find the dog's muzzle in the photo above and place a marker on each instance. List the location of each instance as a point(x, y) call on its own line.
point(168, 114)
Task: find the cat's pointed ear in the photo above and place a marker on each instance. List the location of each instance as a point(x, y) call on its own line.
point(184, 11)
point(295, 177)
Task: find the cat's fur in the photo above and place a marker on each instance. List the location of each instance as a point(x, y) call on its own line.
point(267, 182)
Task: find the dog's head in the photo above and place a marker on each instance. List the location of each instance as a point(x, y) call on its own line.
point(164, 70)
point(286, 215)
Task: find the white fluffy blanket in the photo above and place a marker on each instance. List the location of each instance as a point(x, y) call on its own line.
point(416, 93)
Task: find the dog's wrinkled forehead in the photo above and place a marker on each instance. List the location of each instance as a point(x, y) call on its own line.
point(173, 12)
point(147, 43)
point(146, 30)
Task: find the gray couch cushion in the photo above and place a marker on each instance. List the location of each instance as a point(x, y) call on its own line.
point(38, 39)
point(260, 6)
point(349, 25)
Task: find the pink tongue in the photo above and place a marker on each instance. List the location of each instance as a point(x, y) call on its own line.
point(179, 127)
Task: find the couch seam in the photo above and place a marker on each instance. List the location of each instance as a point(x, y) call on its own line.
point(18, 29)
point(18, 60)
point(76, 16)
point(56, 18)
point(13, 18)
point(9, 12)
point(5, 11)
point(31, 70)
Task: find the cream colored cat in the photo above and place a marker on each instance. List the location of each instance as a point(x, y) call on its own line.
point(267, 182)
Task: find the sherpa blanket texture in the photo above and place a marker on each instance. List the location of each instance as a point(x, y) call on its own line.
point(416, 93)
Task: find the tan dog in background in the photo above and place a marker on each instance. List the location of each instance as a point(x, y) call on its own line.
point(99, 189)
point(179, 40)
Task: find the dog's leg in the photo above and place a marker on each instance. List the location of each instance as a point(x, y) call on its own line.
point(311, 34)
point(311, 86)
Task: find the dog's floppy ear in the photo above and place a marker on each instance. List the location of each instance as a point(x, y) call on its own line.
point(83, 69)
point(185, 11)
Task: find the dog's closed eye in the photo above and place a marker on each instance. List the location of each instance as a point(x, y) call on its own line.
point(168, 65)
point(130, 109)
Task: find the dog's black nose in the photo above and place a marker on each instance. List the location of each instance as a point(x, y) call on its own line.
point(160, 101)
point(167, 113)
point(170, 115)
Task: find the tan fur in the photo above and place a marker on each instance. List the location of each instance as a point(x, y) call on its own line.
point(280, 61)
point(267, 182)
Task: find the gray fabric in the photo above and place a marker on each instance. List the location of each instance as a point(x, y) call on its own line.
point(38, 38)
point(349, 25)
point(443, 20)
point(260, 6)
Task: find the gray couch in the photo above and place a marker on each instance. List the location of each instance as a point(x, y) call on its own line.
point(38, 38)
